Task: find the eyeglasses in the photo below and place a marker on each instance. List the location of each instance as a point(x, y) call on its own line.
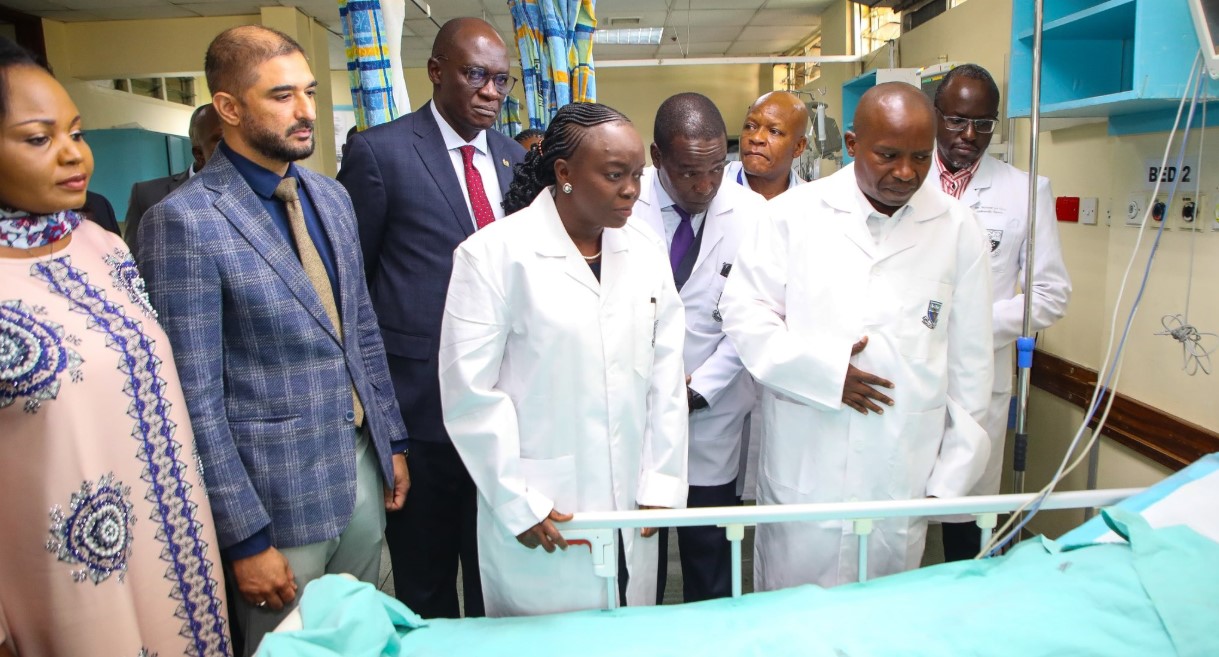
point(959, 123)
point(477, 76)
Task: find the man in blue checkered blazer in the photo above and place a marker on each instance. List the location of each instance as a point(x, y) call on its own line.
point(295, 418)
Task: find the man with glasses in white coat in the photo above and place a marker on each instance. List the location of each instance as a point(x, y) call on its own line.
point(967, 110)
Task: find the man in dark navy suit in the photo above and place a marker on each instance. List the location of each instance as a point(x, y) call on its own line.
point(421, 184)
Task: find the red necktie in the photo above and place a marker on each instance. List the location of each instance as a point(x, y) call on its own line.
point(483, 214)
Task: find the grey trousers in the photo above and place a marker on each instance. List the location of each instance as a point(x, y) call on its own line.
point(356, 551)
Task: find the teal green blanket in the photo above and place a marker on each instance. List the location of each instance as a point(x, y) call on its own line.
point(1157, 595)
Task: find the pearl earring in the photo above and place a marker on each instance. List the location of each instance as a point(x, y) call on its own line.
point(566, 188)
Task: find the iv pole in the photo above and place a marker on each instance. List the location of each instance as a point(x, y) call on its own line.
point(1026, 341)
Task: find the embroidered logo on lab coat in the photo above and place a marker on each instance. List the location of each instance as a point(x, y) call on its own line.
point(933, 314)
point(995, 236)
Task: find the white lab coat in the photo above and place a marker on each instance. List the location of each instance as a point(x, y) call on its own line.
point(998, 193)
point(807, 287)
point(562, 392)
point(711, 361)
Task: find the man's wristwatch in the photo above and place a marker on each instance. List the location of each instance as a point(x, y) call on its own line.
point(695, 400)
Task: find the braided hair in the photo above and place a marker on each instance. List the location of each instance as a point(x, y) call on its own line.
point(563, 137)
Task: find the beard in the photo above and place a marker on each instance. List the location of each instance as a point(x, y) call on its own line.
point(280, 147)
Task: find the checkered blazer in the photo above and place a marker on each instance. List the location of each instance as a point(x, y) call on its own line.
point(267, 381)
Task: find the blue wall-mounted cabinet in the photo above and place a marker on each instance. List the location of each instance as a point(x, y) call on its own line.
point(125, 156)
point(1128, 60)
point(854, 89)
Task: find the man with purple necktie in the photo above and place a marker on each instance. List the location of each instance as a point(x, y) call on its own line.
point(702, 223)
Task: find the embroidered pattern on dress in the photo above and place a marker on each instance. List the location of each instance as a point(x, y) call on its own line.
point(174, 514)
point(95, 531)
point(33, 356)
point(127, 278)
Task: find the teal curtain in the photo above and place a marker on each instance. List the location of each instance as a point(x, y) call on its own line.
point(555, 41)
point(369, 69)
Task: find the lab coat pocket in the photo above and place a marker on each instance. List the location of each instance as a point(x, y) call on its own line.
point(787, 443)
point(922, 434)
point(645, 337)
point(555, 478)
point(924, 322)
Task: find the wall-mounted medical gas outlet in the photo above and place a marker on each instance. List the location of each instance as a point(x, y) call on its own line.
point(1160, 211)
point(1135, 208)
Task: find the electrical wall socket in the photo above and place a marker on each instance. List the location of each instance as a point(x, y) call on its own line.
point(1193, 206)
point(1088, 208)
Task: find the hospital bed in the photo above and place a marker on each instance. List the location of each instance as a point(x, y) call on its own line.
point(1140, 579)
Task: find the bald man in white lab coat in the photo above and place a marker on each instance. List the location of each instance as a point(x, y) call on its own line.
point(863, 306)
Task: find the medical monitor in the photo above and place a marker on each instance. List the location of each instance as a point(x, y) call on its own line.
point(1206, 22)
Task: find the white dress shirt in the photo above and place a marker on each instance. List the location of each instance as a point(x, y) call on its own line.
point(879, 224)
point(670, 217)
point(482, 162)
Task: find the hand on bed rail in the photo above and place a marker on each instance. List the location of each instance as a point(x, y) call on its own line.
point(647, 532)
point(545, 534)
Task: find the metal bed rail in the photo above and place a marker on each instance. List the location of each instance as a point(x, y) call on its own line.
point(597, 528)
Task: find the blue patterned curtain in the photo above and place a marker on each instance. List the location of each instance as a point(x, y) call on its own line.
point(555, 41)
point(509, 121)
point(370, 68)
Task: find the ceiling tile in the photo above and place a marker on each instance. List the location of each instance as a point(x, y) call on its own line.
point(33, 5)
point(618, 6)
point(775, 33)
point(141, 13)
point(68, 16)
point(108, 4)
point(758, 48)
point(646, 19)
point(496, 7)
point(779, 17)
point(227, 8)
point(717, 4)
point(710, 49)
point(710, 17)
point(699, 34)
point(423, 27)
point(814, 6)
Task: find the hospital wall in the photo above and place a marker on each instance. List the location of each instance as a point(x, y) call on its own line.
point(636, 92)
point(82, 53)
point(1085, 161)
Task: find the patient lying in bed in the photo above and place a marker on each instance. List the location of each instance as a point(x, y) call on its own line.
point(1115, 586)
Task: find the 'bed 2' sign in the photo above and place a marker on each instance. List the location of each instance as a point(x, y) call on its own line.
point(1183, 175)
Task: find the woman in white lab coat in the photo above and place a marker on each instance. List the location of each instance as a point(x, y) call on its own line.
point(561, 373)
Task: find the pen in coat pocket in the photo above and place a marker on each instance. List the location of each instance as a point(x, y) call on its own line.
point(655, 322)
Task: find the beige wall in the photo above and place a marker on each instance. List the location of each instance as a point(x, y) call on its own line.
point(84, 51)
point(1085, 161)
point(637, 92)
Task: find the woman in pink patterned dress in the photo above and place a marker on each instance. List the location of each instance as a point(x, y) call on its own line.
point(106, 540)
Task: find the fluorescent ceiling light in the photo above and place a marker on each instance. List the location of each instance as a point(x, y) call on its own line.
point(642, 36)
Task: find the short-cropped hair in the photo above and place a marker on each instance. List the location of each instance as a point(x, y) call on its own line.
point(234, 56)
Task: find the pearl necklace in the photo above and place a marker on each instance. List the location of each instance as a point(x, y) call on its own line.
point(591, 257)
